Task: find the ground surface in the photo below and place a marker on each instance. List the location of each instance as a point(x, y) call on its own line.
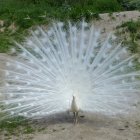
point(109, 22)
point(90, 127)
point(95, 127)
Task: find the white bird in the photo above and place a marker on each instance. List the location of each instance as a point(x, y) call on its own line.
point(53, 63)
point(74, 109)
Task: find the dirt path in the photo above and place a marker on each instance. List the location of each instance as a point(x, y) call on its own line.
point(109, 22)
point(92, 127)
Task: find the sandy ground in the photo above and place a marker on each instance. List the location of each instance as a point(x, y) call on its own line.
point(108, 23)
point(89, 127)
point(92, 126)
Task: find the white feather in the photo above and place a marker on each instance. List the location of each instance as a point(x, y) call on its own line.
point(55, 63)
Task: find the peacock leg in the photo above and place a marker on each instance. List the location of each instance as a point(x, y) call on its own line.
point(76, 117)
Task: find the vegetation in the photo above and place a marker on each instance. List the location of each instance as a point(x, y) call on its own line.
point(130, 4)
point(17, 16)
point(13, 126)
point(20, 15)
point(131, 30)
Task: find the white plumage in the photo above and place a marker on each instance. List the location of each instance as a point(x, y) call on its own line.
point(52, 64)
point(74, 106)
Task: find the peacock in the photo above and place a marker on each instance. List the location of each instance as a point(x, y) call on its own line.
point(69, 66)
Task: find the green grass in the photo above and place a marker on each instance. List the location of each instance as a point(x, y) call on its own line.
point(16, 124)
point(17, 10)
point(133, 29)
point(132, 26)
point(130, 34)
point(130, 4)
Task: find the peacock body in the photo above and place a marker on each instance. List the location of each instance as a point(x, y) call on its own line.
point(53, 65)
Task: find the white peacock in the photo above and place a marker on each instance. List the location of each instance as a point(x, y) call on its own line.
point(53, 65)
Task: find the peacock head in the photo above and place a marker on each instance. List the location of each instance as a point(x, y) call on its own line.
point(73, 97)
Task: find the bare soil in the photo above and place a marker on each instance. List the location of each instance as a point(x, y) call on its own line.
point(109, 22)
point(93, 127)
